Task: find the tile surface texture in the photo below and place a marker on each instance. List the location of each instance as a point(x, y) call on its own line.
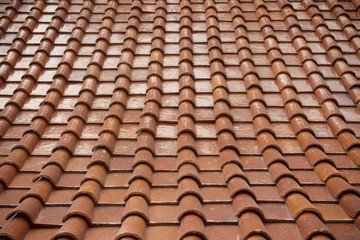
point(180, 119)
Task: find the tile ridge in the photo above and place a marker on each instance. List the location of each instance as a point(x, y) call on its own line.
point(351, 33)
point(251, 217)
point(298, 202)
point(39, 122)
point(36, 67)
point(80, 214)
point(356, 4)
point(136, 217)
point(285, 180)
point(32, 202)
point(8, 16)
point(191, 216)
point(347, 26)
point(324, 166)
point(336, 120)
point(13, 54)
point(333, 50)
point(26, 145)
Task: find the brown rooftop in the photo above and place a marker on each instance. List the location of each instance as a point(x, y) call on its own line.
point(180, 119)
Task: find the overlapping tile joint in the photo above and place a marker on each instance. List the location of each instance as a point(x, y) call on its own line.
point(180, 119)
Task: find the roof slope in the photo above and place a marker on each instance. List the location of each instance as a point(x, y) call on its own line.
point(181, 119)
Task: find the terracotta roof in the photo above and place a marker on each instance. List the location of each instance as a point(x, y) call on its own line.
point(179, 119)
